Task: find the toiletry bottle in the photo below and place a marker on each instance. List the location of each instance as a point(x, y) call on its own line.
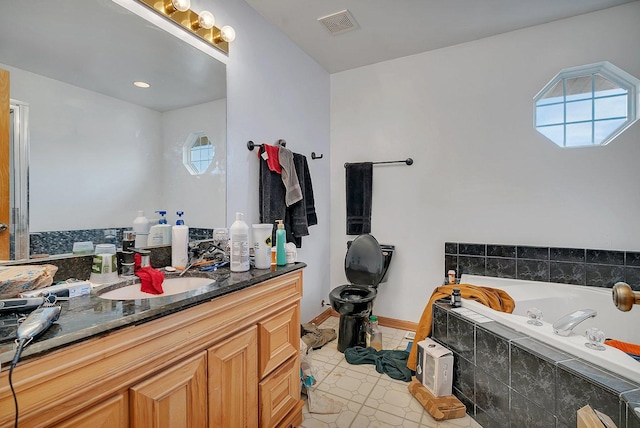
point(456, 298)
point(374, 334)
point(128, 240)
point(179, 243)
point(141, 228)
point(160, 234)
point(239, 235)
point(281, 238)
point(451, 274)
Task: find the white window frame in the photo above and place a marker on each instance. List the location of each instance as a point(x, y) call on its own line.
point(608, 71)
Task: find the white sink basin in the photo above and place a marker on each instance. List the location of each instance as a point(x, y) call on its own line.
point(170, 286)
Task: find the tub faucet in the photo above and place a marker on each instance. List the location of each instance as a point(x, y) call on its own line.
point(564, 325)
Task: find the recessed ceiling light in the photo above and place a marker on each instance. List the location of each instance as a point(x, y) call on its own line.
point(141, 84)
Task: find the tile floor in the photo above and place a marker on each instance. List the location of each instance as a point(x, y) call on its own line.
point(370, 399)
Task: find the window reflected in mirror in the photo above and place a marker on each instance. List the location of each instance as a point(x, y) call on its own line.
point(198, 153)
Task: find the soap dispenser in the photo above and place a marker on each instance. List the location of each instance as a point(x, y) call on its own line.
point(179, 243)
point(160, 234)
point(281, 238)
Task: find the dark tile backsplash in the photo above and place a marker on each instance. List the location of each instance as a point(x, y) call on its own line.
point(61, 241)
point(580, 266)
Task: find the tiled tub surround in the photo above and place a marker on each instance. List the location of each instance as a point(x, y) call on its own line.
point(556, 301)
point(507, 379)
point(599, 268)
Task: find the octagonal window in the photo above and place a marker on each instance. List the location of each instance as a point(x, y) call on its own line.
point(588, 105)
point(197, 153)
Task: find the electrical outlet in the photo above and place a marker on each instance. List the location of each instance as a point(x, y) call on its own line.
point(323, 303)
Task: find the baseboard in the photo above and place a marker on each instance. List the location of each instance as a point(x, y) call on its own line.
point(399, 324)
point(329, 312)
point(383, 321)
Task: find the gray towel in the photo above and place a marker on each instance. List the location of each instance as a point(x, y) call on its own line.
point(359, 180)
point(289, 177)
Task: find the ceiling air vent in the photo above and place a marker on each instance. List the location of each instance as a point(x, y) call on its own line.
point(339, 22)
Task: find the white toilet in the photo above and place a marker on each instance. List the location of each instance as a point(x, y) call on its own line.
point(365, 265)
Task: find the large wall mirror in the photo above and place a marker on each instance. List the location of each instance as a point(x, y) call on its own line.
point(101, 148)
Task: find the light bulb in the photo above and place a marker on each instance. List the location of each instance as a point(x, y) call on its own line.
point(206, 20)
point(228, 34)
point(179, 5)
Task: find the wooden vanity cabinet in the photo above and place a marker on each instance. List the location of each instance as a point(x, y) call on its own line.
point(229, 362)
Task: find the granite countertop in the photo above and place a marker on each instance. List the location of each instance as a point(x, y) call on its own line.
point(90, 315)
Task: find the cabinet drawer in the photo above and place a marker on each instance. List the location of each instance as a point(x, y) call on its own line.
point(279, 393)
point(279, 339)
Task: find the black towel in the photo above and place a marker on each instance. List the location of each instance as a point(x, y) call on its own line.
point(299, 216)
point(359, 179)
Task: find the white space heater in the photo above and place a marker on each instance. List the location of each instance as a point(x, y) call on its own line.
point(434, 368)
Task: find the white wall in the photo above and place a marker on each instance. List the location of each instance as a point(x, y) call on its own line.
point(482, 173)
point(201, 197)
point(275, 90)
point(113, 162)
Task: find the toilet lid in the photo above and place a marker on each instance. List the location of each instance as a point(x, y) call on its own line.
point(364, 263)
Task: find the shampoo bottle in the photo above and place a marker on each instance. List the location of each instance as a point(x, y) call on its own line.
point(160, 234)
point(281, 238)
point(179, 243)
point(239, 236)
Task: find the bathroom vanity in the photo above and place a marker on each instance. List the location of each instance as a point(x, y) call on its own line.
point(225, 355)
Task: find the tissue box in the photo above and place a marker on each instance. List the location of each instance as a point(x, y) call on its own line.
point(434, 368)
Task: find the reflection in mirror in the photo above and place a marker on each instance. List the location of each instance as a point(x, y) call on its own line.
point(101, 148)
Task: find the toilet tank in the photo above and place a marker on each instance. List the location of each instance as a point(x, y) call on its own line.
point(387, 253)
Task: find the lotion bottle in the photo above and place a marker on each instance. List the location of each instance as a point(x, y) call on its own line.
point(141, 228)
point(179, 243)
point(239, 236)
point(281, 237)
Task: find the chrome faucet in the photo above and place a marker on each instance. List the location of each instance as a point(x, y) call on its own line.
point(564, 325)
point(200, 250)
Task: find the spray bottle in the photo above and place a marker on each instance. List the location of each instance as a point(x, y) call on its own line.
point(281, 238)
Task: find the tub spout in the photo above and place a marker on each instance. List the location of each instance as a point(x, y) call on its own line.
point(564, 325)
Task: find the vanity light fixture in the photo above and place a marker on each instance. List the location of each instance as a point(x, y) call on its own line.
point(201, 25)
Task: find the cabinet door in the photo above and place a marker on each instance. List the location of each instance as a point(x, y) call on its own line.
point(233, 381)
point(280, 393)
point(279, 339)
point(177, 397)
point(111, 413)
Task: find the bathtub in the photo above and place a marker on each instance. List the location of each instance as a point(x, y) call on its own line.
point(557, 300)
